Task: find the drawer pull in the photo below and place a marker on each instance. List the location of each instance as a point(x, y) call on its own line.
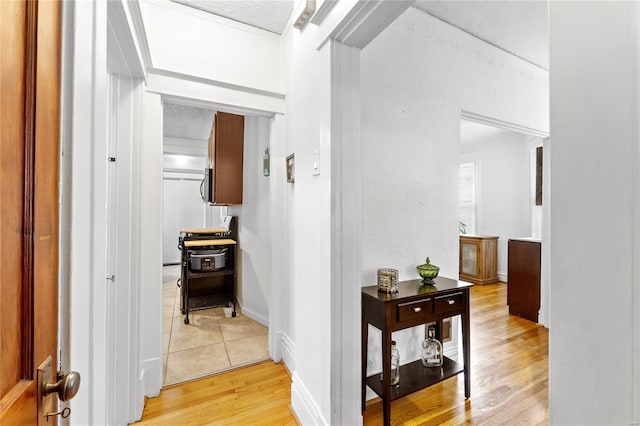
point(451, 301)
point(417, 309)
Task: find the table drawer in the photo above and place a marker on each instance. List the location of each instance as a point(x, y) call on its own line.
point(414, 310)
point(451, 303)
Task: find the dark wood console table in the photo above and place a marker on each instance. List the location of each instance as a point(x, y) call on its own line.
point(413, 305)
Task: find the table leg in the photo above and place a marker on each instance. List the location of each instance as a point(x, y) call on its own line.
point(364, 351)
point(466, 345)
point(386, 374)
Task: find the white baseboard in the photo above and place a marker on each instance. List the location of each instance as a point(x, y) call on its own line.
point(288, 352)
point(303, 404)
point(139, 403)
point(151, 376)
point(502, 276)
point(254, 315)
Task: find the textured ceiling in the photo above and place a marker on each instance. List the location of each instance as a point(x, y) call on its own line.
point(186, 122)
point(270, 15)
point(517, 26)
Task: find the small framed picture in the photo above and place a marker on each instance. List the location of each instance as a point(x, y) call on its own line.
point(291, 168)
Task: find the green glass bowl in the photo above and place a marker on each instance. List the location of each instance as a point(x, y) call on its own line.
point(428, 272)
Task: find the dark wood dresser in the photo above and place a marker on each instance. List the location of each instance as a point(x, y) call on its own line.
point(413, 305)
point(523, 288)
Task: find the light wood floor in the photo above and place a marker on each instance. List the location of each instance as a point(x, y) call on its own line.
point(255, 395)
point(509, 376)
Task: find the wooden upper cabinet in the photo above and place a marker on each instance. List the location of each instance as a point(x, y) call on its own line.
point(226, 146)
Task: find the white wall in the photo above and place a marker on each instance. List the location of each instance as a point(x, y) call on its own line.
point(594, 227)
point(416, 77)
point(504, 181)
point(307, 73)
point(194, 43)
point(182, 207)
point(184, 163)
point(254, 224)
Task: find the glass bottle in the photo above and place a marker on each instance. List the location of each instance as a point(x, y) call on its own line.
point(395, 364)
point(431, 350)
point(266, 163)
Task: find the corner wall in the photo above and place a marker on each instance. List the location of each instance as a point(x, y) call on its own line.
point(416, 77)
point(254, 224)
point(308, 129)
point(594, 352)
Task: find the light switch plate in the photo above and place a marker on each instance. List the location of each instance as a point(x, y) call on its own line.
point(316, 163)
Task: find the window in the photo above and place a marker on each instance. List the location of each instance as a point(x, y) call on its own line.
point(467, 197)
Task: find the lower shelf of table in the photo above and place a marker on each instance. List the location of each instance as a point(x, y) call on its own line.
point(415, 376)
point(208, 301)
point(205, 274)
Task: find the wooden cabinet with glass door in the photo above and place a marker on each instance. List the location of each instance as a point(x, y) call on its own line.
point(479, 259)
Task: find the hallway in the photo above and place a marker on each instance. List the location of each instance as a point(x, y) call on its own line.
point(211, 343)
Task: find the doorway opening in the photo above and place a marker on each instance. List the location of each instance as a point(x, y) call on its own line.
point(213, 341)
point(504, 177)
point(497, 186)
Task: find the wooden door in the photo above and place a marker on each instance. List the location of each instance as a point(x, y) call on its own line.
point(29, 157)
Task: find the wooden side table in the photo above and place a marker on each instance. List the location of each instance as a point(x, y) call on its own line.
point(413, 305)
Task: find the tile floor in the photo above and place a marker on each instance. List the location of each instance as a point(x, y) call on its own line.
point(211, 343)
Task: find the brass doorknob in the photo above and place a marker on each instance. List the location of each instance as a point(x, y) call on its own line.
point(66, 387)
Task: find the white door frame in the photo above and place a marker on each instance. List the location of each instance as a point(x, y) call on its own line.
point(192, 92)
point(99, 32)
point(83, 258)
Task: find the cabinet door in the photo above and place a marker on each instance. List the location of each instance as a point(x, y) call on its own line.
point(227, 143)
point(469, 258)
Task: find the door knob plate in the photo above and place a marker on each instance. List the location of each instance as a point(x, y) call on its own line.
point(46, 403)
point(65, 385)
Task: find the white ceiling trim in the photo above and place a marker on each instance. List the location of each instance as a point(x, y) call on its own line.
point(135, 10)
point(494, 122)
point(176, 90)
